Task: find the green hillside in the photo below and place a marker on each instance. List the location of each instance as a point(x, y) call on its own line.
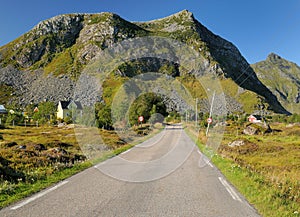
point(282, 77)
point(62, 46)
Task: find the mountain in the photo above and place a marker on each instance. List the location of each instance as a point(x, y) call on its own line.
point(282, 77)
point(45, 62)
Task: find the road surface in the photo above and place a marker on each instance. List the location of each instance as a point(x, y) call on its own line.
point(164, 176)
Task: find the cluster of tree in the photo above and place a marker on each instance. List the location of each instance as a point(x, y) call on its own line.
point(174, 117)
point(103, 116)
point(149, 105)
point(13, 117)
point(43, 113)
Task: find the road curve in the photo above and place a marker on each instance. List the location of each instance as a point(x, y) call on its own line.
point(164, 176)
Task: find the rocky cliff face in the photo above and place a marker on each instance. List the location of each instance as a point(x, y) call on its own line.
point(282, 78)
point(56, 50)
point(43, 41)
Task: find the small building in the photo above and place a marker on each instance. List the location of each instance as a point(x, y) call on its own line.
point(255, 119)
point(3, 110)
point(36, 109)
point(67, 108)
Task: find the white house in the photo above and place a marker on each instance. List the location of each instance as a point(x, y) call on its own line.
point(3, 110)
point(255, 119)
point(65, 109)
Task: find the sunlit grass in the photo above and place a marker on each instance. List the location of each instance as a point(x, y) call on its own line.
point(26, 171)
point(267, 175)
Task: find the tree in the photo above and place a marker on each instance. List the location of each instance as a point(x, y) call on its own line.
point(14, 115)
point(14, 118)
point(173, 116)
point(147, 105)
point(46, 112)
point(103, 113)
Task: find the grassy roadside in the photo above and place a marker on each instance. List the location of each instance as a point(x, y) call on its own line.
point(264, 176)
point(13, 192)
point(25, 172)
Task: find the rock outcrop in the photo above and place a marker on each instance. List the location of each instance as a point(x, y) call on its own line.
point(47, 61)
point(282, 77)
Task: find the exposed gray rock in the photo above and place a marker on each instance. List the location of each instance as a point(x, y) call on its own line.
point(39, 147)
point(65, 25)
point(250, 130)
point(221, 106)
point(237, 143)
point(49, 36)
point(297, 98)
point(88, 90)
point(84, 36)
point(282, 77)
point(35, 86)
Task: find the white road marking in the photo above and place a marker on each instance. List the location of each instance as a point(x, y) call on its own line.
point(142, 145)
point(102, 163)
point(206, 160)
point(229, 189)
point(41, 194)
point(126, 151)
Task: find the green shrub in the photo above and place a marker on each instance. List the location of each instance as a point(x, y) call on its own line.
point(68, 120)
point(147, 105)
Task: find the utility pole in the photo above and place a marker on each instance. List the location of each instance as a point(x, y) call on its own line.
point(210, 111)
point(196, 119)
point(186, 115)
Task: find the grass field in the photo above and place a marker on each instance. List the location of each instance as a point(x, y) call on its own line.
point(32, 158)
point(266, 169)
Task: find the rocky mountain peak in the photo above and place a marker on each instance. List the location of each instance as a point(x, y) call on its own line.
point(184, 15)
point(282, 78)
point(181, 21)
point(63, 45)
point(273, 57)
point(69, 23)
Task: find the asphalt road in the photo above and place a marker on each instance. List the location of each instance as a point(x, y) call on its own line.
point(164, 176)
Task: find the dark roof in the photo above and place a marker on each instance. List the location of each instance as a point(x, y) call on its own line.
point(258, 117)
point(78, 105)
point(65, 104)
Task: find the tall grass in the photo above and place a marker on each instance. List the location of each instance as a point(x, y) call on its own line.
point(25, 171)
point(267, 175)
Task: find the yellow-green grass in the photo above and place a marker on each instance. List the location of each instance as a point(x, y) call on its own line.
point(35, 170)
point(12, 192)
point(266, 170)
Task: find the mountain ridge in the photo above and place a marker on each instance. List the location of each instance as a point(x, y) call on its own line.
point(63, 45)
point(282, 77)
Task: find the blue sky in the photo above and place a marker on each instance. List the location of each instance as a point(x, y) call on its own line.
point(256, 27)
